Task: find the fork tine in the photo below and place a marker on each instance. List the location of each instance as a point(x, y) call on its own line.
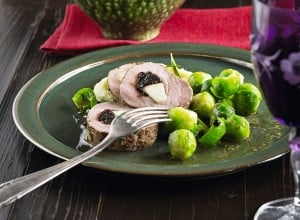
point(138, 121)
point(144, 110)
point(145, 114)
point(145, 123)
point(141, 112)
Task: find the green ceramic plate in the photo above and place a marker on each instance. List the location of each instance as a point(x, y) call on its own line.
point(43, 112)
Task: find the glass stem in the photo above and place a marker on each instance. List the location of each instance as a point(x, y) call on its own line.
point(294, 143)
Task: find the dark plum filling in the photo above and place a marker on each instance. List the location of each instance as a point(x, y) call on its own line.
point(145, 79)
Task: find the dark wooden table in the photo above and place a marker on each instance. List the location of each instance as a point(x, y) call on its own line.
point(85, 193)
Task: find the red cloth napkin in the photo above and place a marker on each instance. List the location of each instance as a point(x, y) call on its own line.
point(229, 27)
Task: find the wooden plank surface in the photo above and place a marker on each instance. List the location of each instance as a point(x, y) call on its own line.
point(86, 193)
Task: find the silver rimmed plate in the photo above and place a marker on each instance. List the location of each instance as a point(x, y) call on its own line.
point(43, 112)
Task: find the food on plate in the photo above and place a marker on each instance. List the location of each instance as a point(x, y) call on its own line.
point(182, 118)
point(84, 99)
point(153, 84)
point(237, 127)
point(247, 99)
point(102, 91)
point(203, 103)
point(204, 110)
point(179, 71)
point(215, 133)
point(223, 108)
point(128, 86)
point(99, 119)
point(197, 79)
point(226, 83)
point(182, 143)
point(115, 77)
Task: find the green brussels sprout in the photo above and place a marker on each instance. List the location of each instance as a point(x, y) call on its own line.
point(182, 118)
point(203, 103)
point(247, 99)
point(232, 72)
point(237, 128)
point(226, 84)
point(215, 132)
point(182, 144)
point(197, 79)
point(223, 108)
point(84, 99)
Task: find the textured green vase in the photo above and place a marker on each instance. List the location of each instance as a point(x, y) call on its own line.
point(130, 19)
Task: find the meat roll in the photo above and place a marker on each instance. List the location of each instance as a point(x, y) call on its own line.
point(152, 84)
point(115, 77)
point(99, 119)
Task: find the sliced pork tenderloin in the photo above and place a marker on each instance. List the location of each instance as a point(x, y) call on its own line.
point(186, 94)
point(134, 85)
point(98, 125)
point(115, 77)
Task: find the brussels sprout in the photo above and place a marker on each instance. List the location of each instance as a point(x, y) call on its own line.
point(203, 103)
point(215, 132)
point(226, 84)
point(197, 79)
point(247, 99)
point(84, 99)
point(237, 128)
point(232, 72)
point(223, 108)
point(182, 118)
point(182, 144)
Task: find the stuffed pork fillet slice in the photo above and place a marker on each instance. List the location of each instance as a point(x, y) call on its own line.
point(115, 77)
point(152, 84)
point(98, 125)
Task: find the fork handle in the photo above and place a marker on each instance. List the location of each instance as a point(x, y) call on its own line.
point(15, 189)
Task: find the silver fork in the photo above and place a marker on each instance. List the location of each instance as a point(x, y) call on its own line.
point(122, 125)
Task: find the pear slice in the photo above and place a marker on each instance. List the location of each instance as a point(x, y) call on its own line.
point(156, 92)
